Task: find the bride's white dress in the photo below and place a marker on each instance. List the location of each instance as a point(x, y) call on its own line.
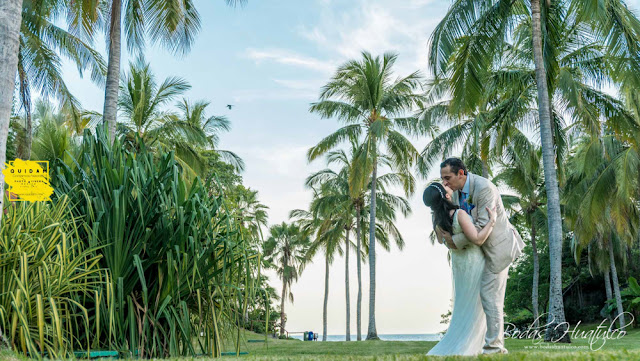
point(468, 324)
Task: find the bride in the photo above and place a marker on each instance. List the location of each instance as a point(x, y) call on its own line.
point(467, 327)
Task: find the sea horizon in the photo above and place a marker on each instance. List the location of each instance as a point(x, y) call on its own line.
point(383, 337)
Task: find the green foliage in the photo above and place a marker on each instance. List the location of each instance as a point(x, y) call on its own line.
point(177, 262)
point(49, 278)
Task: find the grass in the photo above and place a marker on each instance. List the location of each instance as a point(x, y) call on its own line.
point(625, 348)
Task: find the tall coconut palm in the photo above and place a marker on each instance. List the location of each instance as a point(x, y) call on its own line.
point(252, 214)
point(335, 204)
point(349, 198)
point(484, 131)
point(600, 212)
point(285, 251)
point(39, 60)
point(342, 200)
point(194, 115)
point(142, 103)
point(331, 217)
point(10, 17)
point(327, 229)
point(610, 28)
point(56, 131)
point(364, 95)
point(173, 23)
point(522, 172)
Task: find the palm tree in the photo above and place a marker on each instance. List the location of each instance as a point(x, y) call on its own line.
point(39, 65)
point(285, 251)
point(173, 23)
point(57, 131)
point(10, 17)
point(251, 214)
point(599, 212)
point(348, 198)
point(606, 36)
point(327, 229)
point(373, 105)
point(556, 306)
point(193, 114)
point(142, 101)
point(486, 130)
point(522, 172)
point(331, 217)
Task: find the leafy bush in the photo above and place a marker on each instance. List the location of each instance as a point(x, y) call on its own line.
point(47, 276)
point(178, 267)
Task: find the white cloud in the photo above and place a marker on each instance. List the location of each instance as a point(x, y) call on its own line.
point(287, 57)
point(312, 85)
point(377, 27)
point(252, 95)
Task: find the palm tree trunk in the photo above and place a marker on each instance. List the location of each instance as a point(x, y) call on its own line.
point(616, 286)
point(282, 320)
point(113, 70)
point(556, 306)
point(359, 264)
point(346, 285)
point(372, 333)
point(536, 275)
point(485, 166)
point(10, 19)
point(485, 169)
point(25, 97)
point(607, 288)
point(326, 298)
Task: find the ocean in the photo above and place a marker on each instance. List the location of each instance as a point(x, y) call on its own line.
point(388, 337)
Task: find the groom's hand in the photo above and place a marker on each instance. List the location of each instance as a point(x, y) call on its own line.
point(448, 240)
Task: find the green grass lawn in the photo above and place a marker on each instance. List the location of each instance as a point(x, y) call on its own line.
point(625, 348)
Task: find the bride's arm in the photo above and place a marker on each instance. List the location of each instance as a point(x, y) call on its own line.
point(469, 229)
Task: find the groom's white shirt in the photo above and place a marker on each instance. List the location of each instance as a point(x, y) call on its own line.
point(504, 244)
point(465, 188)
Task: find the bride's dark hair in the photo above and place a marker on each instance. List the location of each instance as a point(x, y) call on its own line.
point(434, 198)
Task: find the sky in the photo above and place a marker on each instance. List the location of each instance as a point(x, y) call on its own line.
point(269, 59)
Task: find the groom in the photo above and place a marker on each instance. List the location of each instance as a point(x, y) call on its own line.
point(474, 193)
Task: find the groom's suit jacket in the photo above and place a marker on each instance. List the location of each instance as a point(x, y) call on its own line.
point(504, 244)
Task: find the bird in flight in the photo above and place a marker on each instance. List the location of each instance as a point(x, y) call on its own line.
point(229, 106)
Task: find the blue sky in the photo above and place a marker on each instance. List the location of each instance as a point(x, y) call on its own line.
point(269, 59)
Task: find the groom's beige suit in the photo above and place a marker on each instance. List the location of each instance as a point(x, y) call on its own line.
point(502, 247)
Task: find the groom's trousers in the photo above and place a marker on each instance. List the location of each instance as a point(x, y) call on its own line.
point(492, 292)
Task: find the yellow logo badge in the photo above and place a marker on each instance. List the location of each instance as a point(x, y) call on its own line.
point(28, 180)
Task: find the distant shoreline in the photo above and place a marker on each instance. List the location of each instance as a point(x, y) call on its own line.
point(383, 337)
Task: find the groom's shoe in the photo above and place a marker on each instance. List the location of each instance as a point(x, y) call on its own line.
point(487, 352)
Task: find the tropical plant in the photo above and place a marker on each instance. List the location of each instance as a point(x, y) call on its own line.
point(374, 107)
point(337, 196)
point(597, 164)
point(285, 251)
point(57, 132)
point(522, 172)
point(188, 133)
point(173, 23)
point(598, 35)
point(484, 131)
point(250, 214)
point(327, 229)
point(48, 280)
point(10, 14)
point(180, 271)
point(40, 65)
point(193, 115)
